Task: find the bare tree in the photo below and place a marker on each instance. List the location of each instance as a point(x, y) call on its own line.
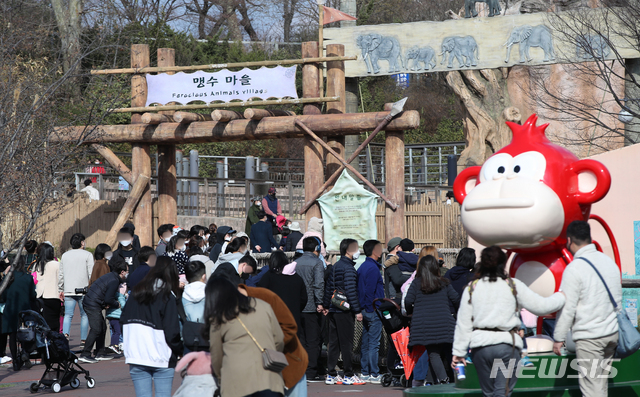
point(33, 104)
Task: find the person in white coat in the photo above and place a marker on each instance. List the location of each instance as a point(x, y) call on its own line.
point(588, 311)
point(488, 320)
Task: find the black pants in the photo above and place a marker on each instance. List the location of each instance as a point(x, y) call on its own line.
point(51, 313)
point(311, 341)
point(340, 340)
point(438, 355)
point(13, 346)
point(97, 330)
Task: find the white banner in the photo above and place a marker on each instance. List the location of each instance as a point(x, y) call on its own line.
point(225, 85)
point(348, 211)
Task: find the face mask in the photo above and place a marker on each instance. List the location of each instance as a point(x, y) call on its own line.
point(206, 237)
point(108, 257)
point(184, 248)
point(257, 203)
point(227, 239)
point(166, 240)
point(245, 251)
point(125, 243)
point(356, 255)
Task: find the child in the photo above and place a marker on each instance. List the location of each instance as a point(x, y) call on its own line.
point(113, 315)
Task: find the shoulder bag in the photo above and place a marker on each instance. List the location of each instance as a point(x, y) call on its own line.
point(339, 298)
point(272, 360)
point(628, 336)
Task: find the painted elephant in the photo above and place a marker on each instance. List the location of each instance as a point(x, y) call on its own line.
point(464, 49)
point(425, 55)
point(470, 7)
point(530, 36)
point(592, 46)
point(375, 47)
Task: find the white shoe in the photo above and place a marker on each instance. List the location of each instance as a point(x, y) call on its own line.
point(5, 360)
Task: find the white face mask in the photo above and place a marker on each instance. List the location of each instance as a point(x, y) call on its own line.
point(108, 257)
point(184, 248)
point(166, 240)
point(258, 203)
point(125, 243)
point(227, 239)
point(356, 255)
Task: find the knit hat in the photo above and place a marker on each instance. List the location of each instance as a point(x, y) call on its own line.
point(272, 190)
point(393, 243)
point(407, 245)
point(315, 225)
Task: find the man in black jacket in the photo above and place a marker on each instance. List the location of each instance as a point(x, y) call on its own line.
point(343, 278)
point(223, 234)
point(127, 250)
point(102, 294)
point(261, 237)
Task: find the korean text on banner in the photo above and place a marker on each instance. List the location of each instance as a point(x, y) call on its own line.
point(348, 211)
point(225, 85)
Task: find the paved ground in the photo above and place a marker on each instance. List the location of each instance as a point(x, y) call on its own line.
point(112, 380)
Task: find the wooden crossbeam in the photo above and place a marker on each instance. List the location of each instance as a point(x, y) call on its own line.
point(345, 164)
point(384, 123)
point(259, 114)
point(225, 115)
point(193, 68)
point(238, 104)
point(134, 196)
point(238, 130)
point(114, 161)
point(156, 118)
point(188, 117)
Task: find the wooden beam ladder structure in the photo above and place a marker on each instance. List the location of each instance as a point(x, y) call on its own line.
point(170, 124)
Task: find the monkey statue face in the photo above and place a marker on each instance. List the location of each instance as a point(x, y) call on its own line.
point(524, 196)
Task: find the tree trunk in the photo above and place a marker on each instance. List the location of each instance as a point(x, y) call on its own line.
point(485, 97)
point(67, 13)
point(289, 7)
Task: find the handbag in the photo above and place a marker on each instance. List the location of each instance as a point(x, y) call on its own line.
point(272, 360)
point(339, 299)
point(628, 335)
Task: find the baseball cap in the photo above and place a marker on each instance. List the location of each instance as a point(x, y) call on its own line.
point(393, 243)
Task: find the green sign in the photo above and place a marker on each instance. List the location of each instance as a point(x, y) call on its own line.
point(348, 211)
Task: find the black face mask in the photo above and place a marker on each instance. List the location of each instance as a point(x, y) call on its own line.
point(245, 276)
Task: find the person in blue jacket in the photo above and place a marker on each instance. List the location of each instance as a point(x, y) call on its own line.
point(370, 287)
point(261, 235)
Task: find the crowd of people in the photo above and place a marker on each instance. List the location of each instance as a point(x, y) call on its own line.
point(199, 290)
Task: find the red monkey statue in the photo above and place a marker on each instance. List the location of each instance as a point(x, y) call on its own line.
point(524, 197)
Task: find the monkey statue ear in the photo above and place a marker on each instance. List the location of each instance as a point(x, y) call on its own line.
point(466, 181)
point(592, 181)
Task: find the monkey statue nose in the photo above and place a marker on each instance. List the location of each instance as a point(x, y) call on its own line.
point(497, 176)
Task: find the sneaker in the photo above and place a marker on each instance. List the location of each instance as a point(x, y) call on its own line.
point(333, 380)
point(354, 380)
point(417, 383)
point(87, 359)
point(113, 349)
point(376, 380)
point(5, 360)
point(103, 357)
point(525, 362)
point(365, 378)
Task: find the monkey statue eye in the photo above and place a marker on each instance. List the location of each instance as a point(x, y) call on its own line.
point(498, 164)
point(530, 165)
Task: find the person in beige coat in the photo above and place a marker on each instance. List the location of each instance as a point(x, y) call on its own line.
point(47, 269)
point(236, 359)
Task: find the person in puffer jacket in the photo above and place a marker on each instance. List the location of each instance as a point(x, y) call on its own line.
point(343, 277)
point(394, 278)
point(151, 330)
point(462, 272)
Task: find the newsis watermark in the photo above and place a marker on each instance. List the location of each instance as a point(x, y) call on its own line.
point(556, 368)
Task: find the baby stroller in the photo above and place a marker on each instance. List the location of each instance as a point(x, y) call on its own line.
point(390, 315)
point(62, 366)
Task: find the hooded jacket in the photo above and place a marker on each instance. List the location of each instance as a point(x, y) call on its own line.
point(220, 233)
point(314, 229)
point(252, 218)
point(231, 257)
point(394, 278)
point(459, 277)
point(407, 261)
point(193, 301)
point(151, 332)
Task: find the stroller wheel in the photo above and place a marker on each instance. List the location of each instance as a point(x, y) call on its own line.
point(403, 381)
point(75, 383)
point(91, 383)
point(386, 380)
point(56, 387)
point(34, 387)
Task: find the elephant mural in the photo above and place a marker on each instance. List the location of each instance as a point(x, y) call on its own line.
point(470, 7)
point(530, 36)
point(375, 47)
point(464, 49)
point(425, 55)
point(588, 46)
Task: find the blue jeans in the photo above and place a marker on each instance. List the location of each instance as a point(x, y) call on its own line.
point(144, 377)
point(422, 367)
point(299, 390)
point(371, 329)
point(70, 303)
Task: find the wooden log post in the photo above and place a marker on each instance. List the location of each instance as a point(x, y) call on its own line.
point(335, 87)
point(140, 156)
point(156, 118)
point(259, 114)
point(189, 117)
point(313, 152)
point(167, 182)
point(114, 161)
point(136, 192)
point(225, 115)
point(394, 221)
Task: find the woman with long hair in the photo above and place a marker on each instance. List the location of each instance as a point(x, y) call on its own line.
point(233, 322)
point(235, 250)
point(101, 257)
point(462, 272)
point(176, 250)
point(151, 330)
point(289, 287)
point(47, 269)
point(488, 320)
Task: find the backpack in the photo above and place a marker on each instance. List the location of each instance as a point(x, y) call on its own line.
point(192, 332)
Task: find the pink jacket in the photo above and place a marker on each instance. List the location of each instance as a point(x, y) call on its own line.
point(312, 234)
